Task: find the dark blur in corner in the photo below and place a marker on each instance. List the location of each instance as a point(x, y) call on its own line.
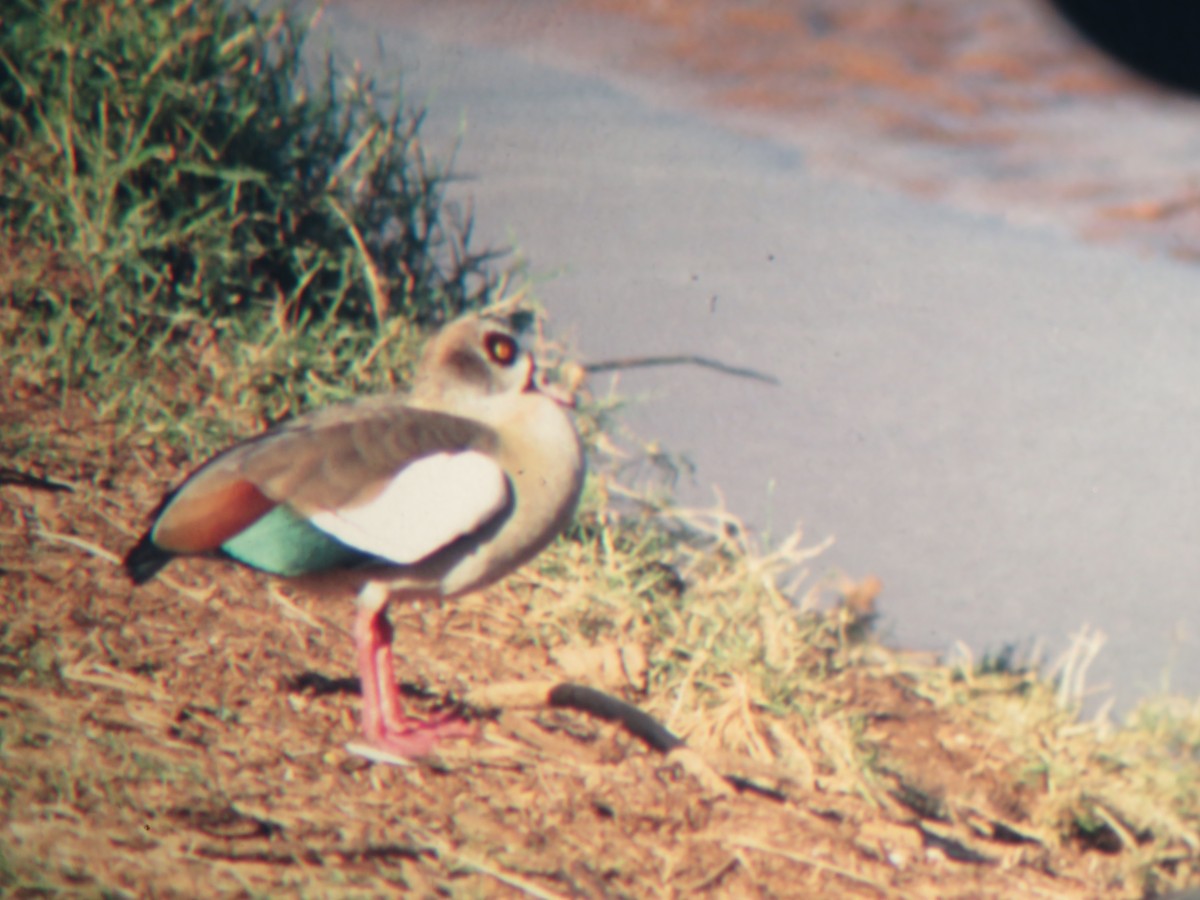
point(1158, 39)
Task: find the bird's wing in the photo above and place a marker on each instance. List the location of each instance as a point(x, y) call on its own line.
point(383, 479)
point(426, 506)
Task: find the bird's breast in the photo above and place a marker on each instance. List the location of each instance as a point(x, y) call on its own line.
point(541, 453)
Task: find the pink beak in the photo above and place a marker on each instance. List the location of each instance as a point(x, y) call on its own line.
point(560, 394)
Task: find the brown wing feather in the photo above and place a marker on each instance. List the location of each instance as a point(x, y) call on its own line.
point(335, 461)
point(199, 521)
point(326, 460)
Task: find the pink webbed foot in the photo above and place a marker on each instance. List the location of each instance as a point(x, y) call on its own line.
point(390, 736)
point(413, 738)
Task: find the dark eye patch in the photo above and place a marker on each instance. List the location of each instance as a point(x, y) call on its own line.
point(501, 349)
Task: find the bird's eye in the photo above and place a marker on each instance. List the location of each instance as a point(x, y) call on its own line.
point(501, 348)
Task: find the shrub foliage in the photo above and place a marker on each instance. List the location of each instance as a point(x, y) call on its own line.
point(165, 158)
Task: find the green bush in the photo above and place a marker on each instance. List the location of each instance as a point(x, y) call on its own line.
point(163, 162)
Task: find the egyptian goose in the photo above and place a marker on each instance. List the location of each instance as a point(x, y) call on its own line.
point(426, 495)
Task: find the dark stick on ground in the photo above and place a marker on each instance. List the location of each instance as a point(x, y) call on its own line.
point(639, 724)
point(24, 479)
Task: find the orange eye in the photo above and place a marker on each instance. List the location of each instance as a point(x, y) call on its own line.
point(501, 348)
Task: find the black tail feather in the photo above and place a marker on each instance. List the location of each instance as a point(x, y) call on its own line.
point(145, 559)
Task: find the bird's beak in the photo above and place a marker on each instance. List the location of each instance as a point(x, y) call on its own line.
point(562, 394)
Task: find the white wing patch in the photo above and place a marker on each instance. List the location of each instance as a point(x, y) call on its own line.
point(428, 505)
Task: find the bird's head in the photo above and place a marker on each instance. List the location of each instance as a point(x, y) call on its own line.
point(479, 356)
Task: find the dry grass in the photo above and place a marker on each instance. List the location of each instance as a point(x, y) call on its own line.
point(187, 738)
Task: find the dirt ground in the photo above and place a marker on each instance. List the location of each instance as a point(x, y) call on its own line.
point(188, 738)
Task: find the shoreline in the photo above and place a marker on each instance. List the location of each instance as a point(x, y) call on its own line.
point(1017, 123)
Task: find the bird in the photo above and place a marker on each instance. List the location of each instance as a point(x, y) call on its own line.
point(426, 495)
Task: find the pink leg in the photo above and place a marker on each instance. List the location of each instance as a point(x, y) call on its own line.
point(384, 724)
point(389, 700)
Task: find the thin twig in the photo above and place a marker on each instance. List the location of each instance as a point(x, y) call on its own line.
point(816, 864)
point(641, 362)
point(514, 881)
point(94, 549)
point(24, 479)
point(105, 677)
point(292, 611)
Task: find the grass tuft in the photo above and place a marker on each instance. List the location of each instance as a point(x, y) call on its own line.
point(174, 178)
